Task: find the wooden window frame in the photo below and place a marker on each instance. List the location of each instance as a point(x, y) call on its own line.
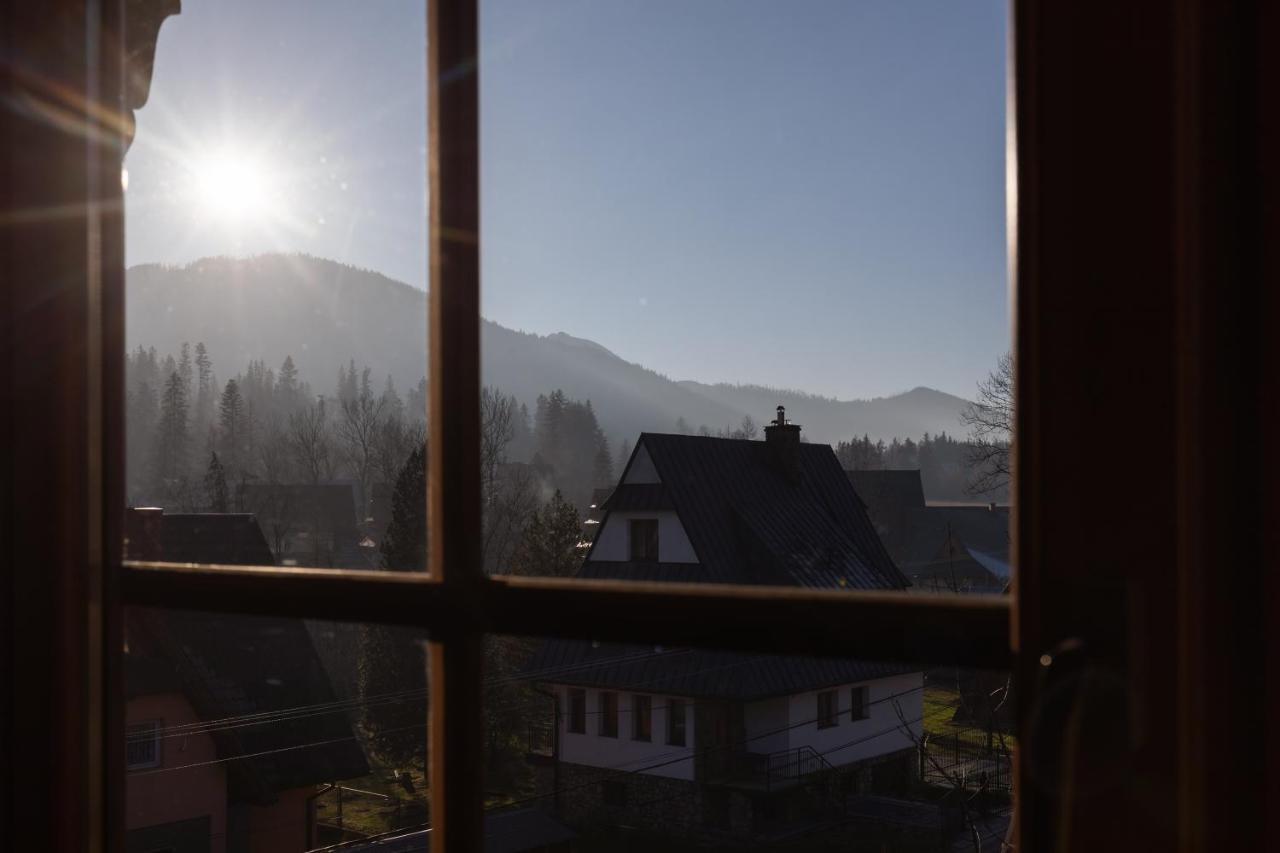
point(1146, 178)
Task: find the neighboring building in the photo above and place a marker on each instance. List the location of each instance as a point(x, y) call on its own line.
point(707, 743)
point(942, 547)
point(204, 774)
point(310, 524)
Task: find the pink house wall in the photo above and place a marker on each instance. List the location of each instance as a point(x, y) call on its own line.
point(177, 794)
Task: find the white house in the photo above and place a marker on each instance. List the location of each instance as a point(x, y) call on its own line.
point(724, 741)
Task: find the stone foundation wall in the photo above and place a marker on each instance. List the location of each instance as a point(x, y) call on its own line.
point(595, 797)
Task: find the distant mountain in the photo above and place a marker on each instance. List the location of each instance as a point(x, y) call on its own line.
point(325, 313)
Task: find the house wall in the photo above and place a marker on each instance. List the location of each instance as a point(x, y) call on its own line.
point(623, 752)
point(642, 469)
point(613, 541)
point(762, 718)
point(281, 826)
point(160, 798)
point(881, 733)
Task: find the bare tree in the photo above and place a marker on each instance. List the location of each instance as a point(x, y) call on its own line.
point(497, 429)
point(311, 442)
point(359, 423)
point(990, 423)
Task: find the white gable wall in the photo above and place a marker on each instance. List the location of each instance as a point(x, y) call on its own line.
point(642, 469)
point(613, 541)
point(623, 752)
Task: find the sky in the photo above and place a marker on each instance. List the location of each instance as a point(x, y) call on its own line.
point(806, 195)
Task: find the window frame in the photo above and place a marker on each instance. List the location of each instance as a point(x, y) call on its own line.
point(644, 715)
point(676, 710)
point(454, 600)
point(827, 717)
point(607, 722)
point(859, 703)
point(649, 555)
point(576, 718)
point(156, 745)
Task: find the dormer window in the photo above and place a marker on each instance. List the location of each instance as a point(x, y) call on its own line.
point(644, 540)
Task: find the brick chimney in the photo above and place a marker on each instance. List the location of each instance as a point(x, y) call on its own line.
point(143, 533)
point(783, 438)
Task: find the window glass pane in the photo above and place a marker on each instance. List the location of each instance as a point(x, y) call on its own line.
point(276, 305)
point(768, 750)
point(252, 733)
point(745, 281)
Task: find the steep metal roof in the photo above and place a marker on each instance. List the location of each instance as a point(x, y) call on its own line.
point(696, 673)
point(751, 521)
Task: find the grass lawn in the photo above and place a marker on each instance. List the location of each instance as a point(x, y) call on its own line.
point(940, 705)
point(367, 814)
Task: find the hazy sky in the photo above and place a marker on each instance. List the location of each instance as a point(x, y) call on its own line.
point(805, 194)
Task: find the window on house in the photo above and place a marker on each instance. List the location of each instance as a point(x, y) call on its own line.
point(608, 709)
point(644, 539)
point(675, 721)
point(860, 705)
point(577, 711)
point(142, 747)
point(827, 709)
point(641, 717)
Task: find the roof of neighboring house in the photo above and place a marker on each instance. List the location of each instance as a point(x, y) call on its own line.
point(915, 533)
point(232, 666)
point(750, 522)
point(697, 673)
point(331, 505)
point(504, 832)
point(207, 537)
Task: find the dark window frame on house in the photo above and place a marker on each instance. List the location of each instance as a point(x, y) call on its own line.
point(642, 540)
point(859, 703)
point(677, 723)
point(134, 737)
point(577, 712)
point(641, 717)
point(1148, 240)
point(827, 705)
point(607, 709)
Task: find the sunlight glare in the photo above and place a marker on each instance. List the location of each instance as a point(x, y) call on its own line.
point(235, 188)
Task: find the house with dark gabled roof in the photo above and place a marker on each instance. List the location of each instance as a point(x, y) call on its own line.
point(708, 743)
point(219, 755)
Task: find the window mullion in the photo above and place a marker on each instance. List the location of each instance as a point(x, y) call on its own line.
point(453, 483)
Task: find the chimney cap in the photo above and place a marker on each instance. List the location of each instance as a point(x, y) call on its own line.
point(781, 420)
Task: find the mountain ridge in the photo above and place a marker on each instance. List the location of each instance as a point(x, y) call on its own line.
point(325, 313)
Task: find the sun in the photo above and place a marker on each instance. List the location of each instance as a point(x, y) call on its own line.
point(235, 188)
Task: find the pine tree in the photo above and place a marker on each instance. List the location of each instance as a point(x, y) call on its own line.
point(171, 432)
point(287, 389)
point(204, 390)
point(549, 547)
point(404, 546)
point(233, 424)
point(215, 485)
point(624, 456)
point(184, 369)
